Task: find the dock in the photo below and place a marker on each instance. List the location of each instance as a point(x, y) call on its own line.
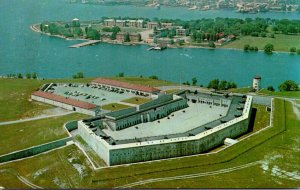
point(90, 42)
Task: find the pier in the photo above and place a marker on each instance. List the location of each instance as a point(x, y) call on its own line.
point(90, 42)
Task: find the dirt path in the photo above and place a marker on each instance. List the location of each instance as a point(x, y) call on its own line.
point(153, 180)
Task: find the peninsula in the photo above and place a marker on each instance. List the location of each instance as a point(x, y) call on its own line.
point(248, 34)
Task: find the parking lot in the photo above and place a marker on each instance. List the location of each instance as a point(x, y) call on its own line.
point(90, 93)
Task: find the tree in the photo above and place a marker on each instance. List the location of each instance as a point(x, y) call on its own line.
point(78, 75)
point(113, 36)
point(20, 76)
point(153, 77)
point(194, 81)
point(246, 47)
point(186, 83)
point(121, 75)
point(272, 35)
point(231, 85)
point(293, 49)
point(271, 88)
point(78, 31)
point(269, 48)
point(255, 48)
point(263, 34)
point(288, 85)
point(28, 75)
point(34, 75)
point(211, 44)
point(126, 38)
point(139, 37)
point(223, 85)
point(214, 84)
point(93, 34)
point(298, 51)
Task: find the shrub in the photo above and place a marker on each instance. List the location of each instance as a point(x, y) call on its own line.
point(271, 88)
point(269, 48)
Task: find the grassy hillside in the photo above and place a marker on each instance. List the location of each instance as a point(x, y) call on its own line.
point(281, 42)
point(26, 134)
point(275, 148)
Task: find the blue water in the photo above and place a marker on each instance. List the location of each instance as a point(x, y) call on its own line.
point(22, 50)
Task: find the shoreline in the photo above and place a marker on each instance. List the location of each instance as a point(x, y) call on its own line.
point(34, 29)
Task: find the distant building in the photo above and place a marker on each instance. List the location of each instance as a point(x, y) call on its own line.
point(159, 32)
point(75, 22)
point(131, 23)
point(120, 23)
point(120, 37)
point(106, 35)
point(256, 83)
point(181, 32)
point(109, 22)
point(152, 25)
point(134, 88)
point(166, 25)
point(134, 37)
point(140, 24)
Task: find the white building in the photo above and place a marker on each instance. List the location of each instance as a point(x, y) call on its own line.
point(256, 83)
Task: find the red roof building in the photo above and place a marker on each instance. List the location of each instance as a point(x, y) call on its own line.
point(61, 99)
point(126, 85)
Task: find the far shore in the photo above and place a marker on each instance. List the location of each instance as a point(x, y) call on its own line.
point(35, 29)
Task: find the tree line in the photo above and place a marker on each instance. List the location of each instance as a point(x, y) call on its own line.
point(22, 76)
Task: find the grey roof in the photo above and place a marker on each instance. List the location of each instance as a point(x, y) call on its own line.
point(237, 102)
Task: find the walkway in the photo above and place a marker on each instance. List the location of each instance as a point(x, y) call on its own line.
point(90, 42)
point(35, 118)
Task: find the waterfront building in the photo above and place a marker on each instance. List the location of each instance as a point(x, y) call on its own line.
point(131, 23)
point(134, 37)
point(166, 25)
point(152, 25)
point(121, 23)
point(140, 24)
point(120, 37)
point(181, 32)
point(109, 22)
point(106, 36)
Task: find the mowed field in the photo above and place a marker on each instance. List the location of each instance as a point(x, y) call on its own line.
point(267, 159)
point(31, 133)
point(281, 42)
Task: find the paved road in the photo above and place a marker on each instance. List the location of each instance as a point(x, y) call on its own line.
point(257, 99)
point(179, 177)
point(35, 118)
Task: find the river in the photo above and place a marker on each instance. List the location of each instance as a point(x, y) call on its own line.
point(25, 51)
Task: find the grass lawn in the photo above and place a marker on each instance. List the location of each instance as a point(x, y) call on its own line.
point(277, 147)
point(137, 100)
point(243, 90)
point(281, 42)
point(143, 81)
point(63, 168)
point(288, 94)
point(170, 91)
point(115, 107)
point(26, 134)
point(97, 161)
